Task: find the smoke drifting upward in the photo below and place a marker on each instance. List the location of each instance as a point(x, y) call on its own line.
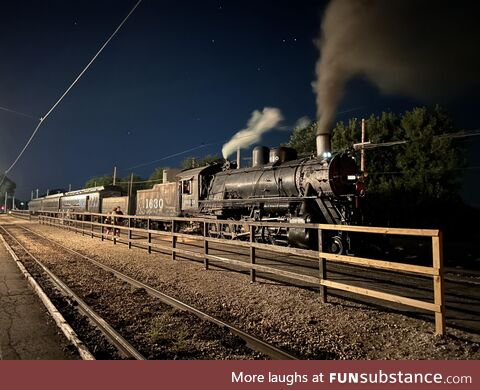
point(259, 123)
point(423, 49)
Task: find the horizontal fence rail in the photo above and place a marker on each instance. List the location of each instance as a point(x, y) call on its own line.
point(24, 214)
point(171, 231)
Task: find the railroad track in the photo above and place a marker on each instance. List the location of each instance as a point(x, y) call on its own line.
point(251, 341)
point(122, 345)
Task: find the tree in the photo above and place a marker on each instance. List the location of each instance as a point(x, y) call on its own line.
point(426, 163)
point(8, 185)
point(194, 162)
point(303, 139)
point(139, 183)
point(410, 182)
point(156, 177)
point(99, 181)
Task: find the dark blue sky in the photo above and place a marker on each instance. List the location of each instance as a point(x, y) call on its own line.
point(179, 74)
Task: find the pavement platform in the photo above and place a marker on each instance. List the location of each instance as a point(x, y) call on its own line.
point(27, 332)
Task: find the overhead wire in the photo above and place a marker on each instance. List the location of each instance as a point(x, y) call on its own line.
point(170, 156)
point(17, 113)
point(45, 116)
point(460, 134)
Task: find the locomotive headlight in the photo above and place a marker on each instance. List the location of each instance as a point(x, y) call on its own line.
point(352, 177)
point(327, 154)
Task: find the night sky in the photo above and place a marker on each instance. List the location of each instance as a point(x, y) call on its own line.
point(178, 75)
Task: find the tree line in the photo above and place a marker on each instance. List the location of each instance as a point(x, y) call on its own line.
point(414, 173)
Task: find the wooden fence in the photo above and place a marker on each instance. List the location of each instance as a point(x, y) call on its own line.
point(24, 214)
point(93, 225)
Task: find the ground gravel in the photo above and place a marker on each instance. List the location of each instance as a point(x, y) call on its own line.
point(290, 317)
point(157, 330)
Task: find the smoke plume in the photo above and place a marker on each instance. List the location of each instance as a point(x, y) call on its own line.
point(259, 123)
point(422, 49)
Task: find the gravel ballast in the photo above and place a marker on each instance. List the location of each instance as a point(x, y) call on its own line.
point(289, 317)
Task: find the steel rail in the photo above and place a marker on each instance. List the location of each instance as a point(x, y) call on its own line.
point(252, 341)
point(110, 333)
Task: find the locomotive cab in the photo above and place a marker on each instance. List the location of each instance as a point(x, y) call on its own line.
point(193, 186)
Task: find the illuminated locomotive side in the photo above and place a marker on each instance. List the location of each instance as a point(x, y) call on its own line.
point(278, 187)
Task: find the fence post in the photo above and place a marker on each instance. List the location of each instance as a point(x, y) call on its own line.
point(83, 224)
point(91, 227)
point(438, 283)
point(102, 221)
point(129, 233)
point(174, 240)
point(149, 237)
point(253, 273)
point(322, 265)
point(205, 244)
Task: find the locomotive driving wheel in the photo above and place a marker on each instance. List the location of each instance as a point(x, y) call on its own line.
point(337, 245)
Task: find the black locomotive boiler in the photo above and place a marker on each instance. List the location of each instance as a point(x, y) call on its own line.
point(277, 187)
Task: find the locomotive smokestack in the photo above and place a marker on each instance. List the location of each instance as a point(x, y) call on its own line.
point(323, 144)
point(238, 157)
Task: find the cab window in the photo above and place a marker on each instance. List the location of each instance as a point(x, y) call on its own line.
point(187, 187)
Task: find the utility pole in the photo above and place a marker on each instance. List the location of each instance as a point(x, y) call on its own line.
point(114, 175)
point(6, 197)
point(37, 193)
point(130, 190)
point(362, 151)
point(31, 197)
point(238, 158)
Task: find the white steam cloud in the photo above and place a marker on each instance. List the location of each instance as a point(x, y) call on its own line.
point(302, 123)
point(259, 123)
point(424, 49)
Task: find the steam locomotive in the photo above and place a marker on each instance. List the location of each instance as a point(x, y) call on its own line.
point(278, 187)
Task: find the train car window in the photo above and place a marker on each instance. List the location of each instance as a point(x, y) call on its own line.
point(187, 187)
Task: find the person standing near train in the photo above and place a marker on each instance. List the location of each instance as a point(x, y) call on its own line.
point(117, 220)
